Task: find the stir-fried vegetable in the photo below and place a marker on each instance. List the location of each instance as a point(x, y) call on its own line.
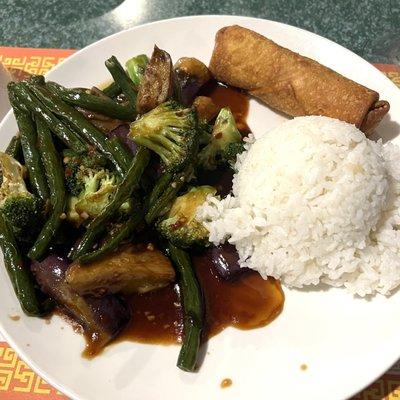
point(170, 131)
point(27, 130)
point(192, 306)
point(225, 142)
point(191, 74)
point(131, 269)
point(117, 236)
point(18, 271)
point(125, 155)
point(164, 193)
point(128, 185)
point(102, 105)
point(14, 148)
point(78, 121)
point(77, 182)
point(157, 85)
point(90, 184)
point(122, 79)
point(136, 67)
point(55, 177)
point(112, 90)
point(180, 225)
point(21, 209)
point(32, 103)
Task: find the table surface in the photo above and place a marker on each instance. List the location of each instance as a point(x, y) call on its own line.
point(369, 28)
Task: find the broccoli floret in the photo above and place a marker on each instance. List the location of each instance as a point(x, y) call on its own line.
point(230, 153)
point(205, 131)
point(180, 225)
point(21, 208)
point(225, 142)
point(90, 184)
point(170, 130)
point(73, 162)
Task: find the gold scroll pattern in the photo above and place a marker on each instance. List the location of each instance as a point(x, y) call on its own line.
point(18, 381)
point(37, 65)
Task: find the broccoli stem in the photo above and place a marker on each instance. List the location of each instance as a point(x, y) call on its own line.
point(31, 154)
point(112, 90)
point(91, 102)
point(122, 79)
point(125, 189)
point(125, 156)
point(192, 308)
point(126, 230)
point(19, 273)
point(164, 192)
point(24, 96)
point(55, 176)
point(78, 121)
point(14, 148)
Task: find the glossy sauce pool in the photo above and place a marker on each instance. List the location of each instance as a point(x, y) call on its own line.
point(236, 100)
point(247, 302)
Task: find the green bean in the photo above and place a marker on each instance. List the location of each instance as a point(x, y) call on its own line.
point(159, 188)
point(91, 102)
point(164, 192)
point(78, 121)
point(14, 148)
point(18, 272)
point(125, 156)
point(122, 80)
point(192, 308)
point(55, 177)
point(125, 189)
point(112, 90)
point(123, 232)
point(70, 139)
point(31, 154)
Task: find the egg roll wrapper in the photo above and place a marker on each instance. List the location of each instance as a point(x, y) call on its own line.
point(289, 82)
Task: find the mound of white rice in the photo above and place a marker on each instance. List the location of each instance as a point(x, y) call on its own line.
point(314, 200)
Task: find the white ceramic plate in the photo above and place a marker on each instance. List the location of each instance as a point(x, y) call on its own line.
point(345, 342)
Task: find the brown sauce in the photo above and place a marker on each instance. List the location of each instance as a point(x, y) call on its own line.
point(235, 99)
point(245, 303)
point(225, 383)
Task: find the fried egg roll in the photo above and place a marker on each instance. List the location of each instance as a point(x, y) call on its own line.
point(291, 83)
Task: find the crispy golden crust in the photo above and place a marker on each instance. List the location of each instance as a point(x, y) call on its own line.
point(287, 81)
point(374, 116)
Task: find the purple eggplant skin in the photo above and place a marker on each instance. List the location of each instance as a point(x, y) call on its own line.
point(122, 132)
point(190, 75)
point(101, 318)
point(157, 85)
point(225, 260)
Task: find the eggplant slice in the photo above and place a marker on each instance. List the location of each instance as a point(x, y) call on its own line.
point(190, 74)
point(129, 270)
point(158, 83)
point(101, 318)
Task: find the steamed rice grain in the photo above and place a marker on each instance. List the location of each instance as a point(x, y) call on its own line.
point(315, 201)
